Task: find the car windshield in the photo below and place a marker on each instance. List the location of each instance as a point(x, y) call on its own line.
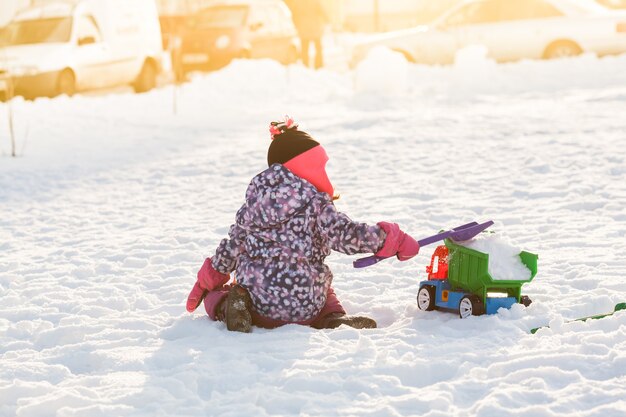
point(37, 31)
point(220, 17)
point(471, 13)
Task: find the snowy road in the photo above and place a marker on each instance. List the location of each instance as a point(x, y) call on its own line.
point(115, 201)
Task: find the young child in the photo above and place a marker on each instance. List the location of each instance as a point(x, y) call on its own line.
point(283, 232)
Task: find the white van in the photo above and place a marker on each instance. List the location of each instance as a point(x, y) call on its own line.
point(71, 46)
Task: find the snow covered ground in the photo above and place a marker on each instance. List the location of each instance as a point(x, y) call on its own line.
point(115, 200)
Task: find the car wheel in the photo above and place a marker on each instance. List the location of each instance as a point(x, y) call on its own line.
point(562, 49)
point(470, 305)
point(146, 80)
point(66, 84)
point(426, 298)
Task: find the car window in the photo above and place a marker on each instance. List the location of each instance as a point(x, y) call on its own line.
point(86, 27)
point(545, 9)
point(38, 31)
point(474, 13)
point(613, 4)
point(219, 17)
point(527, 9)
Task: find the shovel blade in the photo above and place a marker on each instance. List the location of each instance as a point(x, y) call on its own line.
point(469, 232)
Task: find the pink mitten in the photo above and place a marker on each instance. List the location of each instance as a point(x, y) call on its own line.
point(195, 297)
point(208, 279)
point(397, 243)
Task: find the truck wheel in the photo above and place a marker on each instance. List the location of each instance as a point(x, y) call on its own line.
point(470, 305)
point(524, 299)
point(66, 83)
point(426, 298)
point(146, 80)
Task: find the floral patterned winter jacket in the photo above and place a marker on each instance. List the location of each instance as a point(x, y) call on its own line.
point(283, 233)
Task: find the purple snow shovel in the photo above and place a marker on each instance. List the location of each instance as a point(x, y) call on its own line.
point(458, 234)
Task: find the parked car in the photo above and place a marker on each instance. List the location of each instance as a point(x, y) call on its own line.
point(511, 30)
point(227, 30)
point(62, 48)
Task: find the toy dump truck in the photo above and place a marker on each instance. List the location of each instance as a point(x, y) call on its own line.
point(459, 281)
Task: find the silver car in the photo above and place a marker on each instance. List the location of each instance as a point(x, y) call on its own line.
point(510, 30)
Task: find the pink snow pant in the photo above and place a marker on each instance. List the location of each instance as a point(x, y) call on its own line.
point(215, 297)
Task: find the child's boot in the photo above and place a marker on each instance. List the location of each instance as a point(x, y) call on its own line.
point(335, 320)
point(238, 305)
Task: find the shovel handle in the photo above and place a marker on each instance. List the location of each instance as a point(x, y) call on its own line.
point(367, 261)
point(373, 259)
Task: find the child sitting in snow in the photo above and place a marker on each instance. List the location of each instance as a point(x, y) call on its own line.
point(283, 232)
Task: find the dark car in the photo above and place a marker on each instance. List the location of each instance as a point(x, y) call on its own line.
point(214, 36)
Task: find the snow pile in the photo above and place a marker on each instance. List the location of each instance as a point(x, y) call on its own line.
point(504, 261)
point(383, 72)
point(473, 70)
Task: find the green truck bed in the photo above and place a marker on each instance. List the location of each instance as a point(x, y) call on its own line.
point(468, 270)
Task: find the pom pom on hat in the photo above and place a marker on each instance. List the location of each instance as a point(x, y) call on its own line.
point(277, 128)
